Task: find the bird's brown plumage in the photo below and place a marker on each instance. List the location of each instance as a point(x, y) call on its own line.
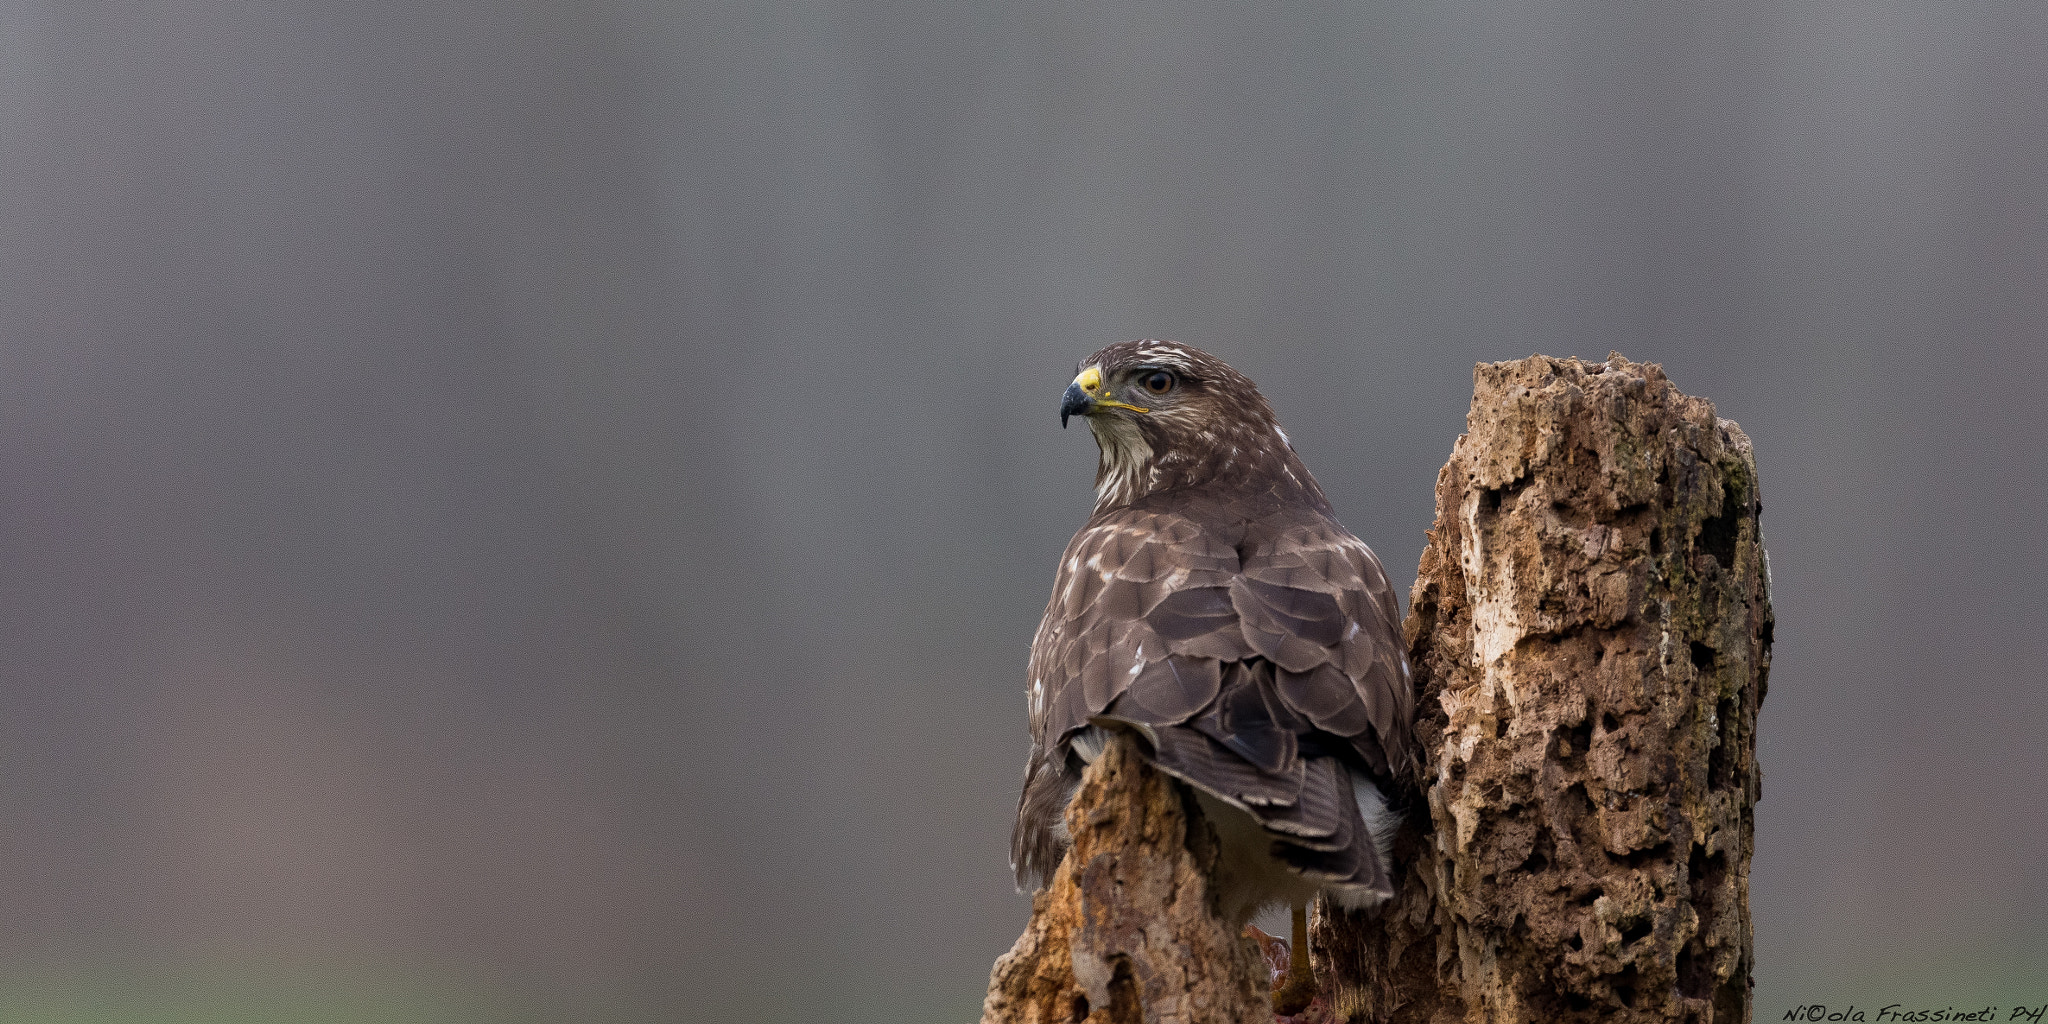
point(1213, 605)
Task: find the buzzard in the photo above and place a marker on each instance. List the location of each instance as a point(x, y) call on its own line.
point(1212, 606)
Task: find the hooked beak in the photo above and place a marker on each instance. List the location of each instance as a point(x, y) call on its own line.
point(1086, 394)
point(1074, 403)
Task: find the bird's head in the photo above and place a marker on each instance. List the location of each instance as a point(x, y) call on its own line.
point(1168, 416)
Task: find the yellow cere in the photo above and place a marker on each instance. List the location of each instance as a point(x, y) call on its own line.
point(1091, 382)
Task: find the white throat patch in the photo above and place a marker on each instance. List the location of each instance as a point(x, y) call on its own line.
point(1124, 455)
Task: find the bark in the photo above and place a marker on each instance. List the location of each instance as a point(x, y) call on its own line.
point(1127, 931)
point(1590, 634)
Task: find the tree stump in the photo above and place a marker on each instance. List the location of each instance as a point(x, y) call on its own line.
point(1590, 634)
point(1127, 931)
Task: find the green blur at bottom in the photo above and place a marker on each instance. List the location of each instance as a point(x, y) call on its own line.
point(228, 996)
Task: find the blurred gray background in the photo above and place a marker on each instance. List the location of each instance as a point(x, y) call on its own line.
point(539, 508)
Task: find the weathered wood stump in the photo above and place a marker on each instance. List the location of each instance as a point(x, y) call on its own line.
point(1590, 634)
point(1127, 931)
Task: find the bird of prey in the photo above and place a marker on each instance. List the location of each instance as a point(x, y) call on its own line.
point(1213, 606)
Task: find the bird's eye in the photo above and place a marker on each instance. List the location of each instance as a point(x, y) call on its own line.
point(1159, 382)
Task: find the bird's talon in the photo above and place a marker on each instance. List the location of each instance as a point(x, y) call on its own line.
point(1294, 995)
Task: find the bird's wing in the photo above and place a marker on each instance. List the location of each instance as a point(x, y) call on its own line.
point(1314, 600)
point(1230, 647)
point(1136, 590)
point(1140, 606)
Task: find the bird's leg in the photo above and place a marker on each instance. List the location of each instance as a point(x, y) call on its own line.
point(1299, 988)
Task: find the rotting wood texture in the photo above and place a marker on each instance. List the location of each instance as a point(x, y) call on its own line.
point(1590, 634)
point(1127, 931)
